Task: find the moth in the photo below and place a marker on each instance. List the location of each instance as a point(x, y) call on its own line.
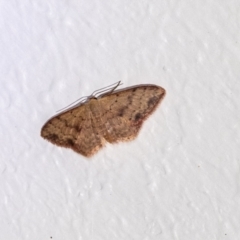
point(108, 115)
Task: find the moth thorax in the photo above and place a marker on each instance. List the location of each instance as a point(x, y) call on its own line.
point(94, 107)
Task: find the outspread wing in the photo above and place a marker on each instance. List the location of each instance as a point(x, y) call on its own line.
point(73, 129)
point(125, 111)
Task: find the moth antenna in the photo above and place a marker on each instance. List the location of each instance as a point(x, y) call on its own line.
point(107, 89)
point(80, 100)
point(95, 93)
point(117, 84)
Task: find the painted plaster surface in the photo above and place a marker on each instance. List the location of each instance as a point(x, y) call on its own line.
point(180, 179)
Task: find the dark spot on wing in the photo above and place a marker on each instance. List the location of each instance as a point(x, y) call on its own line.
point(121, 111)
point(152, 101)
point(138, 116)
point(78, 129)
point(52, 137)
point(70, 142)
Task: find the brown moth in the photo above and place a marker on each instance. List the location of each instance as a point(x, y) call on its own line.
point(111, 117)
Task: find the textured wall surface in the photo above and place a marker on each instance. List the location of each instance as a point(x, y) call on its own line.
point(180, 179)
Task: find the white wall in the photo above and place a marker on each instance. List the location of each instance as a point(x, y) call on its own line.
point(180, 178)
